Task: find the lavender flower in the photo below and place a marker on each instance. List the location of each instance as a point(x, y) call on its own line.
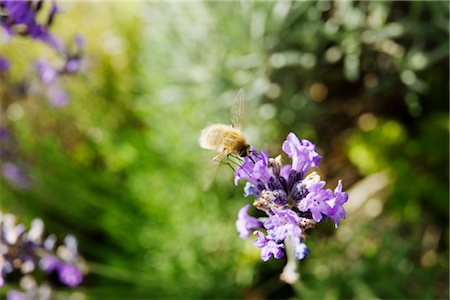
point(24, 251)
point(292, 200)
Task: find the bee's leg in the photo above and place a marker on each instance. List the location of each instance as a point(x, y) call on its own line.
point(233, 161)
point(238, 165)
point(236, 157)
point(239, 158)
point(227, 163)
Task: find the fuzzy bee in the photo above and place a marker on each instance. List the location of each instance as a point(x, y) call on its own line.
point(227, 139)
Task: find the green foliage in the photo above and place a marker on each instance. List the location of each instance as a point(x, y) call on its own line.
point(120, 167)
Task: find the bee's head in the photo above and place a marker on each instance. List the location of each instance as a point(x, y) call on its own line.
point(245, 151)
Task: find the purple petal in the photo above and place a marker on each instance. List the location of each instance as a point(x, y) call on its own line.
point(303, 153)
point(261, 241)
point(316, 201)
point(336, 211)
point(254, 168)
point(245, 223)
point(272, 248)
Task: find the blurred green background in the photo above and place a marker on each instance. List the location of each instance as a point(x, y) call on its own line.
point(120, 167)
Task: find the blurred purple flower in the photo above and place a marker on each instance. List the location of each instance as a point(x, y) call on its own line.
point(56, 95)
point(73, 61)
point(16, 295)
point(24, 18)
point(24, 250)
point(4, 64)
point(72, 65)
point(4, 134)
point(15, 175)
point(70, 275)
point(33, 292)
point(19, 17)
point(49, 263)
point(46, 72)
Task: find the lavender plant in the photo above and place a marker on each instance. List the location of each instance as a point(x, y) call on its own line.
point(20, 18)
point(293, 198)
point(27, 252)
point(33, 20)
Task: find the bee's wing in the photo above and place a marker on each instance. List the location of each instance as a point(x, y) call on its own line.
point(212, 173)
point(237, 109)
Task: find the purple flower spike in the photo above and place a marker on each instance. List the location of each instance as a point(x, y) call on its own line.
point(303, 153)
point(245, 223)
point(70, 275)
point(293, 198)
